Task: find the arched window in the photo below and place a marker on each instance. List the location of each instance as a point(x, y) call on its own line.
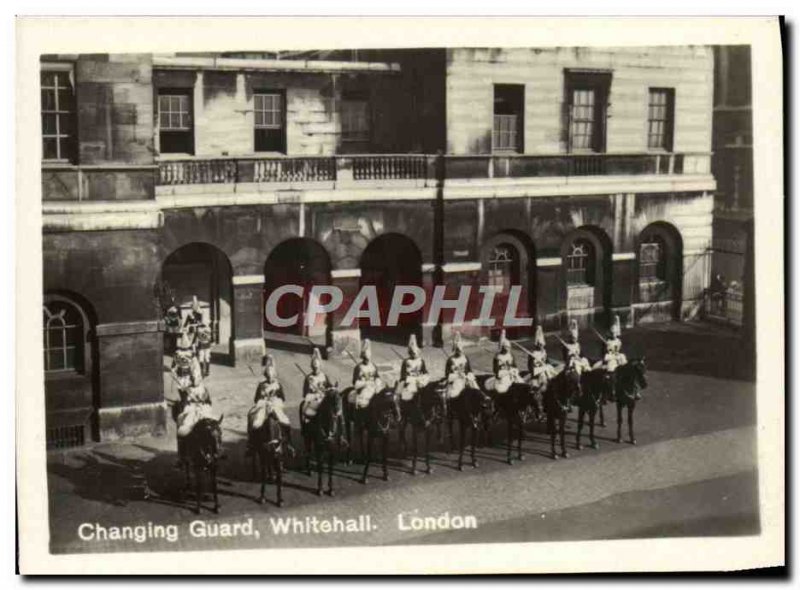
point(653, 259)
point(580, 263)
point(63, 337)
point(503, 267)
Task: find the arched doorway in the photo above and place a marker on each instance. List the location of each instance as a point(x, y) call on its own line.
point(203, 271)
point(388, 261)
point(303, 262)
point(586, 260)
point(659, 258)
point(70, 370)
point(506, 261)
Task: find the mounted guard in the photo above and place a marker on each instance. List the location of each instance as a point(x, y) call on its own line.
point(268, 399)
point(195, 405)
point(315, 386)
point(541, 371)
point(185, 366)
point(504, 366)
point(366, 380)
point(172, 326)
point(413, 372)
point(194, 317)
point(614, 357)
point(202, 344)
point(458, 371)
point(572, 351)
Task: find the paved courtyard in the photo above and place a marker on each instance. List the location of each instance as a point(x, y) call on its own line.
point(692, 473)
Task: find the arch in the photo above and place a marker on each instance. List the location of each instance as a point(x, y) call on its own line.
point(202, 270)
point(659, 270)
point(71, 369)
point(389, 260)
point(303, 262)
point(586, 275)
point(508, 258)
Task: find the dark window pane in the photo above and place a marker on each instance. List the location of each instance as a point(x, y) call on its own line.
point(270, 140)
point(49, 123)
point(176, 142)
point(50, 148)
point(48, 100)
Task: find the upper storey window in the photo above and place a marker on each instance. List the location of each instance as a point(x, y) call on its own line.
point(660, 118)
point(355, 119)
point(270, 127)
point(58, 114)
point(175, 125)
point(587, 106)
point(509, 107)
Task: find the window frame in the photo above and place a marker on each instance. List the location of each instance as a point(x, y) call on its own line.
point(188, 132)
point(668, 120)
point(263, 129)
point(598, 82)
point(80, 330)
point(659, 266)
point(513, 97)
point(585, 271)
point(68, 116)
point(357, 135)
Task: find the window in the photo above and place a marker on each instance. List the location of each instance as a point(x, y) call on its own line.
point(270, 131)
point(587, 105)
point(503, 267)
point(580, 263)
point(660, 118)
point(355, 120)
point(509, 102)
point(63, 337)
point(652, 260)
point(58, 115)
point(176, 131)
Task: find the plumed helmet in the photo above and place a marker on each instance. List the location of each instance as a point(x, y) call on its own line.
point(539, 337)
point(195, 303)
point(316, 357)
point(503, 341)
point(412, 343)
point(573, 329)
point(458, 344)
point(616, 328)
point(366, 348)
point(270, 369)
point(183, 343)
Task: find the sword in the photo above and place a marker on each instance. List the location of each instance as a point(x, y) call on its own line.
point(599, 336)
point(299, 368)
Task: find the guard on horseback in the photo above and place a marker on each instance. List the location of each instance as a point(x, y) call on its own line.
point(413, 372)
point(458, 371)
point(504, 366)
point(268, 399)
point(202, 344)
point(195, 405)
point(315, 386)
point(172, 326)
point(541, 371)
point(614, 357)
point(184, 362)
point(366, 380)
point(572, 351)
point(194, 317)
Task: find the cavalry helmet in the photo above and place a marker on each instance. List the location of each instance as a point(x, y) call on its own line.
point(458, 345)
point(183, 343)
point(573, 329)
point(195, 304)
point(616, 328)
point(316, 358)
point(412, 343)
point(366, 348)
point(503, 342)
point(270, 369)
point(538, 338)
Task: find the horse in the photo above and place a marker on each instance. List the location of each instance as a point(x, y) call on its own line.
point(426, 408)
point(630, 379)
point(202, 451)
point(323, 433)
point(270, 446)
point(594, 384)
point(562, 390)
point(471, 408)
point(516, 405)
point(376, 420)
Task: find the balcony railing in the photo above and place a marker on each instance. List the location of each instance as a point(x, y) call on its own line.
point(337, 168)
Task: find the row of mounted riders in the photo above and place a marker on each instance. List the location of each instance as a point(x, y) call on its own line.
point(330, 415)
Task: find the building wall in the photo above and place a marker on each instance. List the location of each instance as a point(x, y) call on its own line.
point(471, 74)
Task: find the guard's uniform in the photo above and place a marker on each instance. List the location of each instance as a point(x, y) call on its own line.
point(459, 375)
point(314, 388)
point(540, 370)
point(366, 383)
point(197, 407)
point(269, 398)
point(505, 371)
point(413, 377)
point(172, 327)
point(202, 342)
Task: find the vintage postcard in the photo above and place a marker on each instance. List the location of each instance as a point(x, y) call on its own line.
point(399, 295)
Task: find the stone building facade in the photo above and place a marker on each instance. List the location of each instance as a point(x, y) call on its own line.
point(581, 174)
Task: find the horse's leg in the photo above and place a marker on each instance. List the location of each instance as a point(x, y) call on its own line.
point(631, 407)
point(619, 422)
point(562, 427)
point(551, 428)
point(348, 427)
point(521, 437)
point(602, 416)
point(308, 444)
point(320, 464)
point(214, 486)
point(474, 442)
point(428, 451)
point(591, 427)
point(198, 488)
point(367, 458)
point(450, 428)
point(253, 466)
point(330, 469)
point(415, 434)
point(402, 429)
point(581, 415)
point(461, 447)
point(270, 475)
point(279, 478)
point(510, 441)
point(188, 481)
point(385, 453)
point(262, 499)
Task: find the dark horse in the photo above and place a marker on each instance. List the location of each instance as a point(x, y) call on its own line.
point(472, 408)
point(202, 448)
point(426, 409)
point(562, 390)
point(376, 420)
point(323, 433)
point(630, 379)
point(270, 446)
point(594, 384)
point(517, 404)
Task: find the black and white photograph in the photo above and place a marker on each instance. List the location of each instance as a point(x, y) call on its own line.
point(402, 296)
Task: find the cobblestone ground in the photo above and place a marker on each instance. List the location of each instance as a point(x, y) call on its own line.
point(695, 430)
